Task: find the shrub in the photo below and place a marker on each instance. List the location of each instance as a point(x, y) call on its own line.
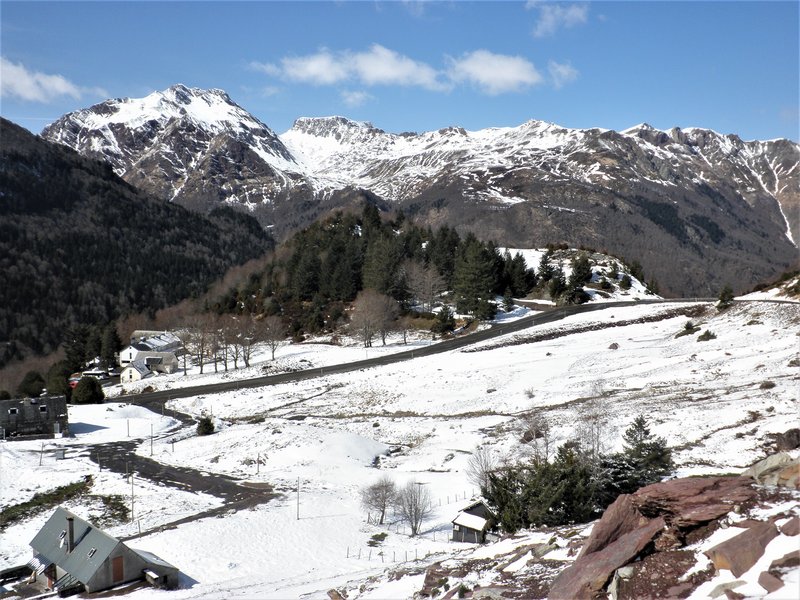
point(625, 282)
point(31, 385)
point(725, 298)
point(205, 426)
point(767, 385)
point(706, 336)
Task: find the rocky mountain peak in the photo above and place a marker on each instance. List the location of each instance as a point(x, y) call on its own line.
point(336, 127)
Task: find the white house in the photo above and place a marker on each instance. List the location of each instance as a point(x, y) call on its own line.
point(157, 344)
point(135, 371)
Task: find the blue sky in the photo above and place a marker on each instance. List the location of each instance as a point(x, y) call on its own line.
point(418, 66)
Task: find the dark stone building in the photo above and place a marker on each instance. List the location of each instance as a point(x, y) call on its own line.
point(45, 416)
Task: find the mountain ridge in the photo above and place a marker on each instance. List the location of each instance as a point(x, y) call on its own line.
point(693, 186)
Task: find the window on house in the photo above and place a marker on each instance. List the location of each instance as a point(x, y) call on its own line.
point(456, 528)
point(13, 411)
point(63, 534)
point(43, 409)
point(91, 553)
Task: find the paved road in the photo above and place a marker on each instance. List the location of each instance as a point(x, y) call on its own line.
point(120, 456)
point(155, 400)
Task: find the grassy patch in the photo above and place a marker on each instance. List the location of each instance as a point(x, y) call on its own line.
point(377, 539)
point(44, 501)
point(115, 510)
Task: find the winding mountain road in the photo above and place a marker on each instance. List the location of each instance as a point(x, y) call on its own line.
point(121, 457)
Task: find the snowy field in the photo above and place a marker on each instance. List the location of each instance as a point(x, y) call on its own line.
point(714, 401)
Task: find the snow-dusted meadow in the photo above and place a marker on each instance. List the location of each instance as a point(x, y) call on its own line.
point(422, 418)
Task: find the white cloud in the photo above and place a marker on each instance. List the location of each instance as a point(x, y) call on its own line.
point(376, 66)
point(561, 73)
point(553, 16)
point(494, 73)
point(381, 66)
point(491, 73)
point(355, 98)
point(322, 68)
point(18, 82)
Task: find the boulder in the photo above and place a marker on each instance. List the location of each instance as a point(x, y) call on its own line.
point(723, 588)
point(591, 571)
point(788, 440)
point(742, 551)
point(618, 519)
point(786, 562)
point(789, 476)
point(765, 470)
point(791, 527)
point(769, 582)
point(692, 501)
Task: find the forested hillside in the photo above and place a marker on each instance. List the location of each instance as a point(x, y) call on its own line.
point(80, 246)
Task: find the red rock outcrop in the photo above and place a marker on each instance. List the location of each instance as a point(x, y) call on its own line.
point(742, 551)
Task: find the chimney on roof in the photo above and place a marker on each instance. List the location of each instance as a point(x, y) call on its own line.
point(70, 534)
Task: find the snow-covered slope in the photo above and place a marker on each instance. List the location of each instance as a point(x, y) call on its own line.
point(707, 398)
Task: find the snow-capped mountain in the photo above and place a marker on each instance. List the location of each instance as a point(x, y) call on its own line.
point(183, 144)
point(697, 208)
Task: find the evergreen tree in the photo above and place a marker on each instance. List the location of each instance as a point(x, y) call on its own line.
point(581, 270)
point(110, 345)
point(88, 391)
point(57, 379)
point(444, 321)
point(473, 279)
point(649, 454)
point(381, 260)
point(31, 385)
point(557, 285)
point(546, 270)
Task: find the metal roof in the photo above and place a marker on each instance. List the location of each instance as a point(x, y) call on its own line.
point(51, 545)
point(154, 561)
point(470, 521)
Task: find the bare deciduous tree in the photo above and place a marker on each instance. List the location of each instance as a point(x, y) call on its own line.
point(479, 466)
point(424, 283)
point(379, 496)
point(535, 433)
point(413, 504)
point(373, 314)
point(593, 431)
point(272, 332)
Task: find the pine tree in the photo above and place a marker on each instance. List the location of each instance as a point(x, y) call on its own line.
point(31, 385)
point(88, 391)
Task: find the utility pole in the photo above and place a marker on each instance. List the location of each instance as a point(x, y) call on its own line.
point(151, 439)
point(298, 498)
point(131, 496)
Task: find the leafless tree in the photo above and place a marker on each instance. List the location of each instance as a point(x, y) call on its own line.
point(271, 331)
point(185, 336)
point(379, 496)
point(424, 283)
point(593, 430)
point(373, 314)
point(479, 466)
point(414, 505)
point(200, 340)
point(535, 433)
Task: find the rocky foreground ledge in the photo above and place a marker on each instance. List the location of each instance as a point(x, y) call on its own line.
point(724, 537)
point(646, 545)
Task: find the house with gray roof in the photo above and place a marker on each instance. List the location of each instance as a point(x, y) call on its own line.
point(72, 554)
